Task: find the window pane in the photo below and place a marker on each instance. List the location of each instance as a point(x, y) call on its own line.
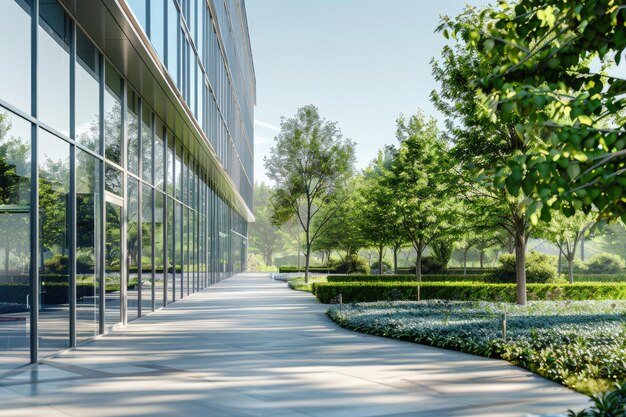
point(113, 115)
point(15, 160)
point(159, 156)
point(139, 10)
point(87, 243)
point(113, 263)
point(15, 79)
point(112, 180)
point(54, 166)
point(147, 260)
point(133, 249)
point(170, 164)
point(53, 69)
point(172, 40)
point(171, 244)
point(132, 127)
point(87, 114)
point(157, 26)
point(159, 247)
point(146, 144)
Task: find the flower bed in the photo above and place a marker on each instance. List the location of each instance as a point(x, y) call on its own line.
point(581, 344)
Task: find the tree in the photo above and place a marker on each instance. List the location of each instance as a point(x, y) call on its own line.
point(613, 239)
point(422, 184)
point(379, 219)
point(542, 53)
point(310, 164)
point(265, 238)
point(566, 233)
point(343, 229)
point(481, 145)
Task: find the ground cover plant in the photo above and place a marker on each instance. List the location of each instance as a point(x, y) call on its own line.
point(581, 344)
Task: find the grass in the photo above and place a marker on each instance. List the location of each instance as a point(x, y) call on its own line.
point(581, 344)
point(298, 284)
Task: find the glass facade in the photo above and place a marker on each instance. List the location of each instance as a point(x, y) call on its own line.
point(112, 204)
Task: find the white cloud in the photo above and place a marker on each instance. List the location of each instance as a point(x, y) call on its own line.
point(267, 125)
point(262, 140)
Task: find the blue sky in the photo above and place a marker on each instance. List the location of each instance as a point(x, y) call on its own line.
point(361, 62)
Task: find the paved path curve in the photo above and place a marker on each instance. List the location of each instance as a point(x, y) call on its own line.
point(251, 347)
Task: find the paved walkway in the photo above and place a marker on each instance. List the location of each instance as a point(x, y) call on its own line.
point(251, 347)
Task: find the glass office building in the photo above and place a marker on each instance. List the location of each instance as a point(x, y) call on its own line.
point(126, 162)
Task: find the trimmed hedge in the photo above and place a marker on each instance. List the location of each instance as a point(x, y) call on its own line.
point(353, 292)
point(449, 271)
point(405, 278)
point(295, 269)
point(599, 277)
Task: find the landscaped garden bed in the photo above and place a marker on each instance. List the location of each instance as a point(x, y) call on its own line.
point(581, 344)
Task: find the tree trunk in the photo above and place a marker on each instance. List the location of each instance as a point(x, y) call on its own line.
point(380, 259)
point(570, 267)
point(582, 249)
point(6, 260)
point(464, 262)
point(306, 263)
point(418, 265)
point(482, 259)
point(520, 260)
point(395, 260)
point(558, 268)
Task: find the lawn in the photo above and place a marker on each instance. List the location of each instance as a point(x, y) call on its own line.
point(581, 344)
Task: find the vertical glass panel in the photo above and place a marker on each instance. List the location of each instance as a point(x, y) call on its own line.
point(139, 10)
point(132, 126)
point(200, 38)
point(172, 40)
point(159, 248)
point(170, 163)
point(53, 69)
point(113, 180)
point(113, 115)
point(113, 263)
point(171, 254)
point(159, 156)
point(15, 165)
point(147, 257)
point(187, 250)
point(146, 145)
point(179, 250)
point(87, 112)
point(178, 172)
point(15, 79)
point(192, 81)
point(87, 237)
point(157, 26)
point(54, 186)
point(133, 251)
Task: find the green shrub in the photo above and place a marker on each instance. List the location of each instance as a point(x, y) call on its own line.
point(429, 266)
point(386, 266)
point(540, 269)
point(470, 270)
point(84, 263)
point(600, 277)
point(579, 266)
point(349, 265)
point(295, 269)
point(353, 292)
point(605, 263)
point(57, 264)
point(404, 278)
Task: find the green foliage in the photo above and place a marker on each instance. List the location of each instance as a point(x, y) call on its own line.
point(354, 292)
point(429, 266)
point(605, 264)
point(580, 344)
point(541, 57)
point(256, 264)
point(310, 164)
point(539, 268)
point(57, 264)
point(265, 238)
point(609, 404)
point(350, 264)
point(404, 278)
point(442, 251)
point(314, 268)
point(587, 277)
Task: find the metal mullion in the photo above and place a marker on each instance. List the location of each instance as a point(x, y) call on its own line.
point(34, 195)
point(124, 210)
point(100, 250)
point(72, 196)
point(166, 202)
point(140, 209)
point(153, 203)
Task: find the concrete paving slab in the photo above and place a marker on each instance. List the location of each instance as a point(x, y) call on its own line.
point(249, 346)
